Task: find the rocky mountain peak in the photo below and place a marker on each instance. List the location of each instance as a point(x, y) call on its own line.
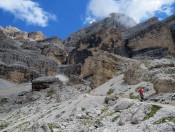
point(115, 20)
point(122, 19)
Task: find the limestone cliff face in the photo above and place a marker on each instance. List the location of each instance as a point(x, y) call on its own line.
point(104, 35)
point(102, 66)
point(152, 38)
point(22, 59)
point(108, 39)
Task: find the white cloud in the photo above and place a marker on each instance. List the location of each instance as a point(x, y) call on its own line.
point(137, 9)
point(28, 11)
point(89, 19)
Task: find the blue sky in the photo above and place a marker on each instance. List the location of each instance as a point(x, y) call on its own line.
point(63, 17)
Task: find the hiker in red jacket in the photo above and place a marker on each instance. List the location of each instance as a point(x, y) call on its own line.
point(141, 91)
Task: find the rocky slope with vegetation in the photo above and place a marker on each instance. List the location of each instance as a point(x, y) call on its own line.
point(89, 82)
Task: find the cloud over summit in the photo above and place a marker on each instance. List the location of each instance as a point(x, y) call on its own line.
point(137, 9)
point(28, 11)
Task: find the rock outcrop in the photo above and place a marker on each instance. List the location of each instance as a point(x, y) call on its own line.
point(159, 72)
point(165, 84)
point(108, 39)
point(11, 29)
point(20, 35)
point(152, 38)
point(18, 64)
point(37, 36)
point(102, 66)
point(16, 33)
point(53, 51)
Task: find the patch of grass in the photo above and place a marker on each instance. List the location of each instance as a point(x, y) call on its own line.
point(24, 124)
point(50, 126)
point(87, 121)
point(82, 108)
point(43, 115)
point(115, 118)
point(110, 91)
point(107, 114)
point(2, 126)
point(105, 109)
point(97, 123)
point(147, 65)
point(131, 96)
point(153, 111)
point(155, 100)
point(166, 119)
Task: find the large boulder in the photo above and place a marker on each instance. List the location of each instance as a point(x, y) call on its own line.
point(164, 84)
point(44, 82)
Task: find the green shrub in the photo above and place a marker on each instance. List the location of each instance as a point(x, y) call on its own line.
point(153, 111)
point(115, 118)
point(110, 91)
point(82, 108)
point(104, 109)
